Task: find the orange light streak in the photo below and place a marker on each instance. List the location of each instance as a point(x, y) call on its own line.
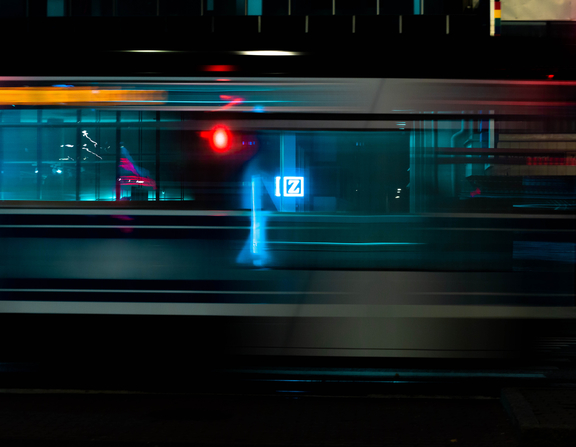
point(76, 96)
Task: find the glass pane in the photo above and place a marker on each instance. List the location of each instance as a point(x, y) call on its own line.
point(58, 168)
point(20, 160)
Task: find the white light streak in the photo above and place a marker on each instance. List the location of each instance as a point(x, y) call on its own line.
point(269, 53)
point(85, 134)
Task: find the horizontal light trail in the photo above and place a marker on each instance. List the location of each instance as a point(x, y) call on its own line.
point(41, 208)
point(133, 227)
point(288, 310)
point(209, 292)
point(398, 375)
point(261, 292)
point(345, 243)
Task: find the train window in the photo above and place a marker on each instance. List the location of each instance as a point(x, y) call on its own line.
point(19, 162)
point(430, 167)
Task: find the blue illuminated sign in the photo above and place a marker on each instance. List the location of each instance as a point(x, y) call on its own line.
point(291, 186)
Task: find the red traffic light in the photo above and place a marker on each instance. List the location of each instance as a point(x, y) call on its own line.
point(220, 138)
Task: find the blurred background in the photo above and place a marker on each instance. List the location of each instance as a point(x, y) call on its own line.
point(219, 193)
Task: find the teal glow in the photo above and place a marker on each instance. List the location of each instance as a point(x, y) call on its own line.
point(254, 7)
point(417, 10)
point(345, 243)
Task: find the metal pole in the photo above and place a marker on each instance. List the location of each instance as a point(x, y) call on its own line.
point(157, 156)
point(39, 154)
point(78, 154)
point(118, 136)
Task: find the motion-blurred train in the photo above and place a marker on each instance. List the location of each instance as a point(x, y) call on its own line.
point(307, 216)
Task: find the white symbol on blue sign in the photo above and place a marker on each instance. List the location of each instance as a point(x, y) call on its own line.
point(293, 186)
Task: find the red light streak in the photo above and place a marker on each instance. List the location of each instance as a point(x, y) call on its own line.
point(233, 101)
point(133, 180)
point(219, 68)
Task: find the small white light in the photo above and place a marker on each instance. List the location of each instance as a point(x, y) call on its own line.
point(59, 171)
point(277, 192)
point(269, 53)
point(69, 145)
point(397, 197)
point(36, 171)
point(150, 51)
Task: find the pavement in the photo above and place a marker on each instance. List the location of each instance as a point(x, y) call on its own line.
point(543, 416)
point(69, 417)
point(519, 407)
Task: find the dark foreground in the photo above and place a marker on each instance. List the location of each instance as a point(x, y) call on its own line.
point(446, 404)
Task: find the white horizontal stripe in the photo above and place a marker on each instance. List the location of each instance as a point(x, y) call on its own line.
point(287, 310)
point(211, 292)
point(493, 293)
point(271, 292)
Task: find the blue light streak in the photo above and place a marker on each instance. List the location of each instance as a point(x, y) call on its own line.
point(254, 222)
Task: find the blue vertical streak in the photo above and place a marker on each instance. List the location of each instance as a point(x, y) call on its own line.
point(254, 224)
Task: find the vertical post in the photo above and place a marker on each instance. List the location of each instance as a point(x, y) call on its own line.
point(1, 159)
point(39, 154)
point(281, 169)
point(333, 7)
point(377, 7)
point(78, 154)
point(490, 138)
point(97, 167)
point(140, 156)
point(157, 156)
point(491, 131)
point(287, 166)
point(289, 7)
point(118, 136)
